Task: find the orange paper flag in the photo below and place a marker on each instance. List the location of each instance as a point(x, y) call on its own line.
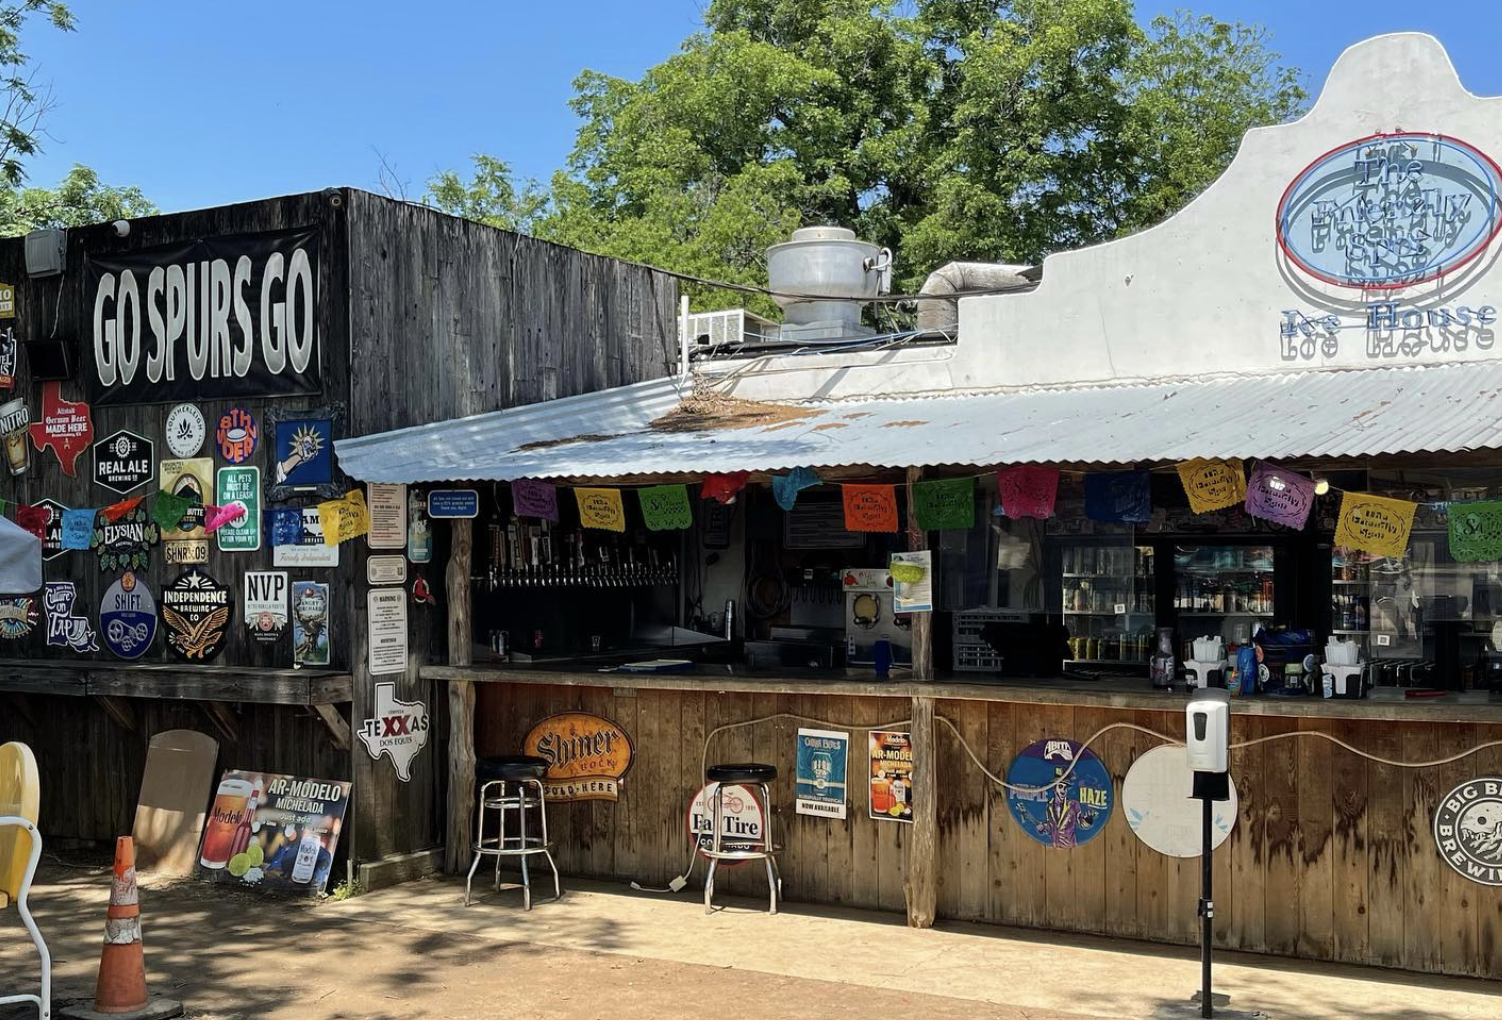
point(870, 507)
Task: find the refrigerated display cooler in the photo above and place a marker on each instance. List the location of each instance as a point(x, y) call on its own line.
point(1108, 601)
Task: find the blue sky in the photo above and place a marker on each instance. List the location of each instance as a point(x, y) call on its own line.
point(205, 103)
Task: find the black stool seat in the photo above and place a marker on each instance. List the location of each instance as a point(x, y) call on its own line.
point(511, 767)
point(747, 772)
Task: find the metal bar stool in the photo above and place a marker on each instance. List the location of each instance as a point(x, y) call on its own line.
point(512, 783)
point(764, 849)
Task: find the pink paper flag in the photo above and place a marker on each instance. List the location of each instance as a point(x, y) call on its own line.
point(1276, 494)
point(1028, 490)
point(216, 517)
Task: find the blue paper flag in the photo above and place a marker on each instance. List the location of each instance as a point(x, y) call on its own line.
point(78, 528)
point(1121, 496)
point(786, 487)
point(284, 526)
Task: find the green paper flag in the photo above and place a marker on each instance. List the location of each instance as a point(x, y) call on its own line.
point(1475, 531)
point(167, 510)
point(666, 507)
point(945, 505)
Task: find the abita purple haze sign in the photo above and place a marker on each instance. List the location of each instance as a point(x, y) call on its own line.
point(1391, 210)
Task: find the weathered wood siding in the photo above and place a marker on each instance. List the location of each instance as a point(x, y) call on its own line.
point(1331, 858)
point(450, 318)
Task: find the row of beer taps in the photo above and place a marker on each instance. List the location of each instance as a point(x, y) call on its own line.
point(527, 554)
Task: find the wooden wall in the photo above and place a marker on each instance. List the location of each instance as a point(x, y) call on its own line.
point(1331, 859)
point(449, 318)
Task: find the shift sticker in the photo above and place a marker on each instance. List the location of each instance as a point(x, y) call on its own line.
point(127, 617)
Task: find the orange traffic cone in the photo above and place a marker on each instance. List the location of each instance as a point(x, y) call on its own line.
point(121, 991)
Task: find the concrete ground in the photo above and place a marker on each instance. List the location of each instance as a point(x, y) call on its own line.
point(607, 952)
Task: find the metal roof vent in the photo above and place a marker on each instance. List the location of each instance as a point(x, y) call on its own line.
point(826, 261)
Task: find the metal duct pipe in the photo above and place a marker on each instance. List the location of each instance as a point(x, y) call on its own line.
point(944, 316)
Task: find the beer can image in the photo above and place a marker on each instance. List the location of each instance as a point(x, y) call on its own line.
point(230, 804)
point(14, 421)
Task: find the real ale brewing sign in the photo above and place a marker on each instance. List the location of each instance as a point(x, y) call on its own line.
point(232, 316)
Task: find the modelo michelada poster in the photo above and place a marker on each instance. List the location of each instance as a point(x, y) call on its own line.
point(272, 832)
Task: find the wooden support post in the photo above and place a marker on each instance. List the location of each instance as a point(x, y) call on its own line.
point(922, 847)
point(461, 695)
point(338, 729)
point(923, 623)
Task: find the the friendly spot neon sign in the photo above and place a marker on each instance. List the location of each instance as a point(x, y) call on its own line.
point(1391, 210)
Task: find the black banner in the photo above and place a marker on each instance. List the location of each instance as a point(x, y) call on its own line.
point(231, 316)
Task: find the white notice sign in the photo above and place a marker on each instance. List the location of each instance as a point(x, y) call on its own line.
point(387, 611)
point(386, 570)
point(388, 515)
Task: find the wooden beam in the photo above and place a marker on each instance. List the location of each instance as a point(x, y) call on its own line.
point(923, 623)
point(223, 720)
point(338, 729)
point(119, 710)
point(921, 851)
point(461, 693)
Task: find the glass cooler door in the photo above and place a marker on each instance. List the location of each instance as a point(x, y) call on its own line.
point(1108, 601)
point(1223, 591)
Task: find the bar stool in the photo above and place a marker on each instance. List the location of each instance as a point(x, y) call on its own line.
point(512, 783)
point(763, 849)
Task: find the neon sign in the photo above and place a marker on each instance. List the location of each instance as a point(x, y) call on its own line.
point(1391, 210)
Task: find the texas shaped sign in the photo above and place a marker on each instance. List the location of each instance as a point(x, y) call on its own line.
point(65, 426)
point(398, 728)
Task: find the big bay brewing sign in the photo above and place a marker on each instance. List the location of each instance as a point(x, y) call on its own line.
point(226, 317)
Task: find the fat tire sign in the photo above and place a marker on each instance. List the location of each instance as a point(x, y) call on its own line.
point(124, 461)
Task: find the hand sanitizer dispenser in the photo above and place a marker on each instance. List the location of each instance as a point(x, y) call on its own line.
point(1208, 730)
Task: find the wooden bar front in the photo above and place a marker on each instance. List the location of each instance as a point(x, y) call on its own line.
point(1332, 857)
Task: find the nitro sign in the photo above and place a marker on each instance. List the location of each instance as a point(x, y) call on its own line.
point(233, 316)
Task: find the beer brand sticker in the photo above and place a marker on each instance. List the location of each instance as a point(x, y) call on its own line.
point(65, 426)
point(7, 301)
point(588, 756)
point(183, 554)
point(274, 833)
point(127, 617)
point(240, 487)
point(7, 358)
point(266, 605)
point(236, 435)
point(64, 629)
point(18, 617)
point(398, 729)
point(890, 755)
point(185, 430)
point(302, 451)
point(192, 480)
point(1066, 793)
point(310, 623)
point(419, 528)
point(1468, 829)
point(196, 609)
point(52, 534)
point(125, 543)
point(742, 820)
point(310, 549)
point(124, 461)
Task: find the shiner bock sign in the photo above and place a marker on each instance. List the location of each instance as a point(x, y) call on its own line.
point(226, 317)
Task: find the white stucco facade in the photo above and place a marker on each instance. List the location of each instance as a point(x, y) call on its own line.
point(1408, 223)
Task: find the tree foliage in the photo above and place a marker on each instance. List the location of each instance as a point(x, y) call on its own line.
point(25, 103)
point(78, 200)
point(943, 129)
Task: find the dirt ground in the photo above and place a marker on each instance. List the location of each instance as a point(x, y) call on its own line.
point(228, 954)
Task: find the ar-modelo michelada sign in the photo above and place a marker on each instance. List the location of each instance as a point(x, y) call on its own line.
point(231, 316)
point(1391, 215)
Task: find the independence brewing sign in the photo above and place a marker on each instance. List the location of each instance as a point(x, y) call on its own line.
point(232, 316)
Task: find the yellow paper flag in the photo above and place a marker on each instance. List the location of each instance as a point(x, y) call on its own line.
point(1212, 484)
point(1375, 524)
point(601, 508)
point(343, 519)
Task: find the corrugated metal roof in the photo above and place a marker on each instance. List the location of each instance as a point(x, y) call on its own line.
point(1352, 413)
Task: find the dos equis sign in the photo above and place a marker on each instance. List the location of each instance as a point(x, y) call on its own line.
point(232, 316)
point(587, 756)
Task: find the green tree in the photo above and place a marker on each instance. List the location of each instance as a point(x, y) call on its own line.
point(25, 103)
point(490, 196)
point(943, 129)
point(78, 200)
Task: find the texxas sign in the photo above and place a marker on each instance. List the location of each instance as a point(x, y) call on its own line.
point(233, 316)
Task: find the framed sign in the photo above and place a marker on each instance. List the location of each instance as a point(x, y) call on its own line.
point(386, 569)
point(273, 833)
point(302, 451)
point(310, 623)
point(251, 332)
point(386, 620)
point(266, 605)
point(388, 515)
point(240, 486)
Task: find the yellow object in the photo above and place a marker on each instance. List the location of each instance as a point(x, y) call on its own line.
point(1212, 484)
point(20, 794)
point(1374, 523)
point(344, 519)
point(907, 573)
point(256, 854)
point(896, 810)
point(601, 508)
point(239, 865)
